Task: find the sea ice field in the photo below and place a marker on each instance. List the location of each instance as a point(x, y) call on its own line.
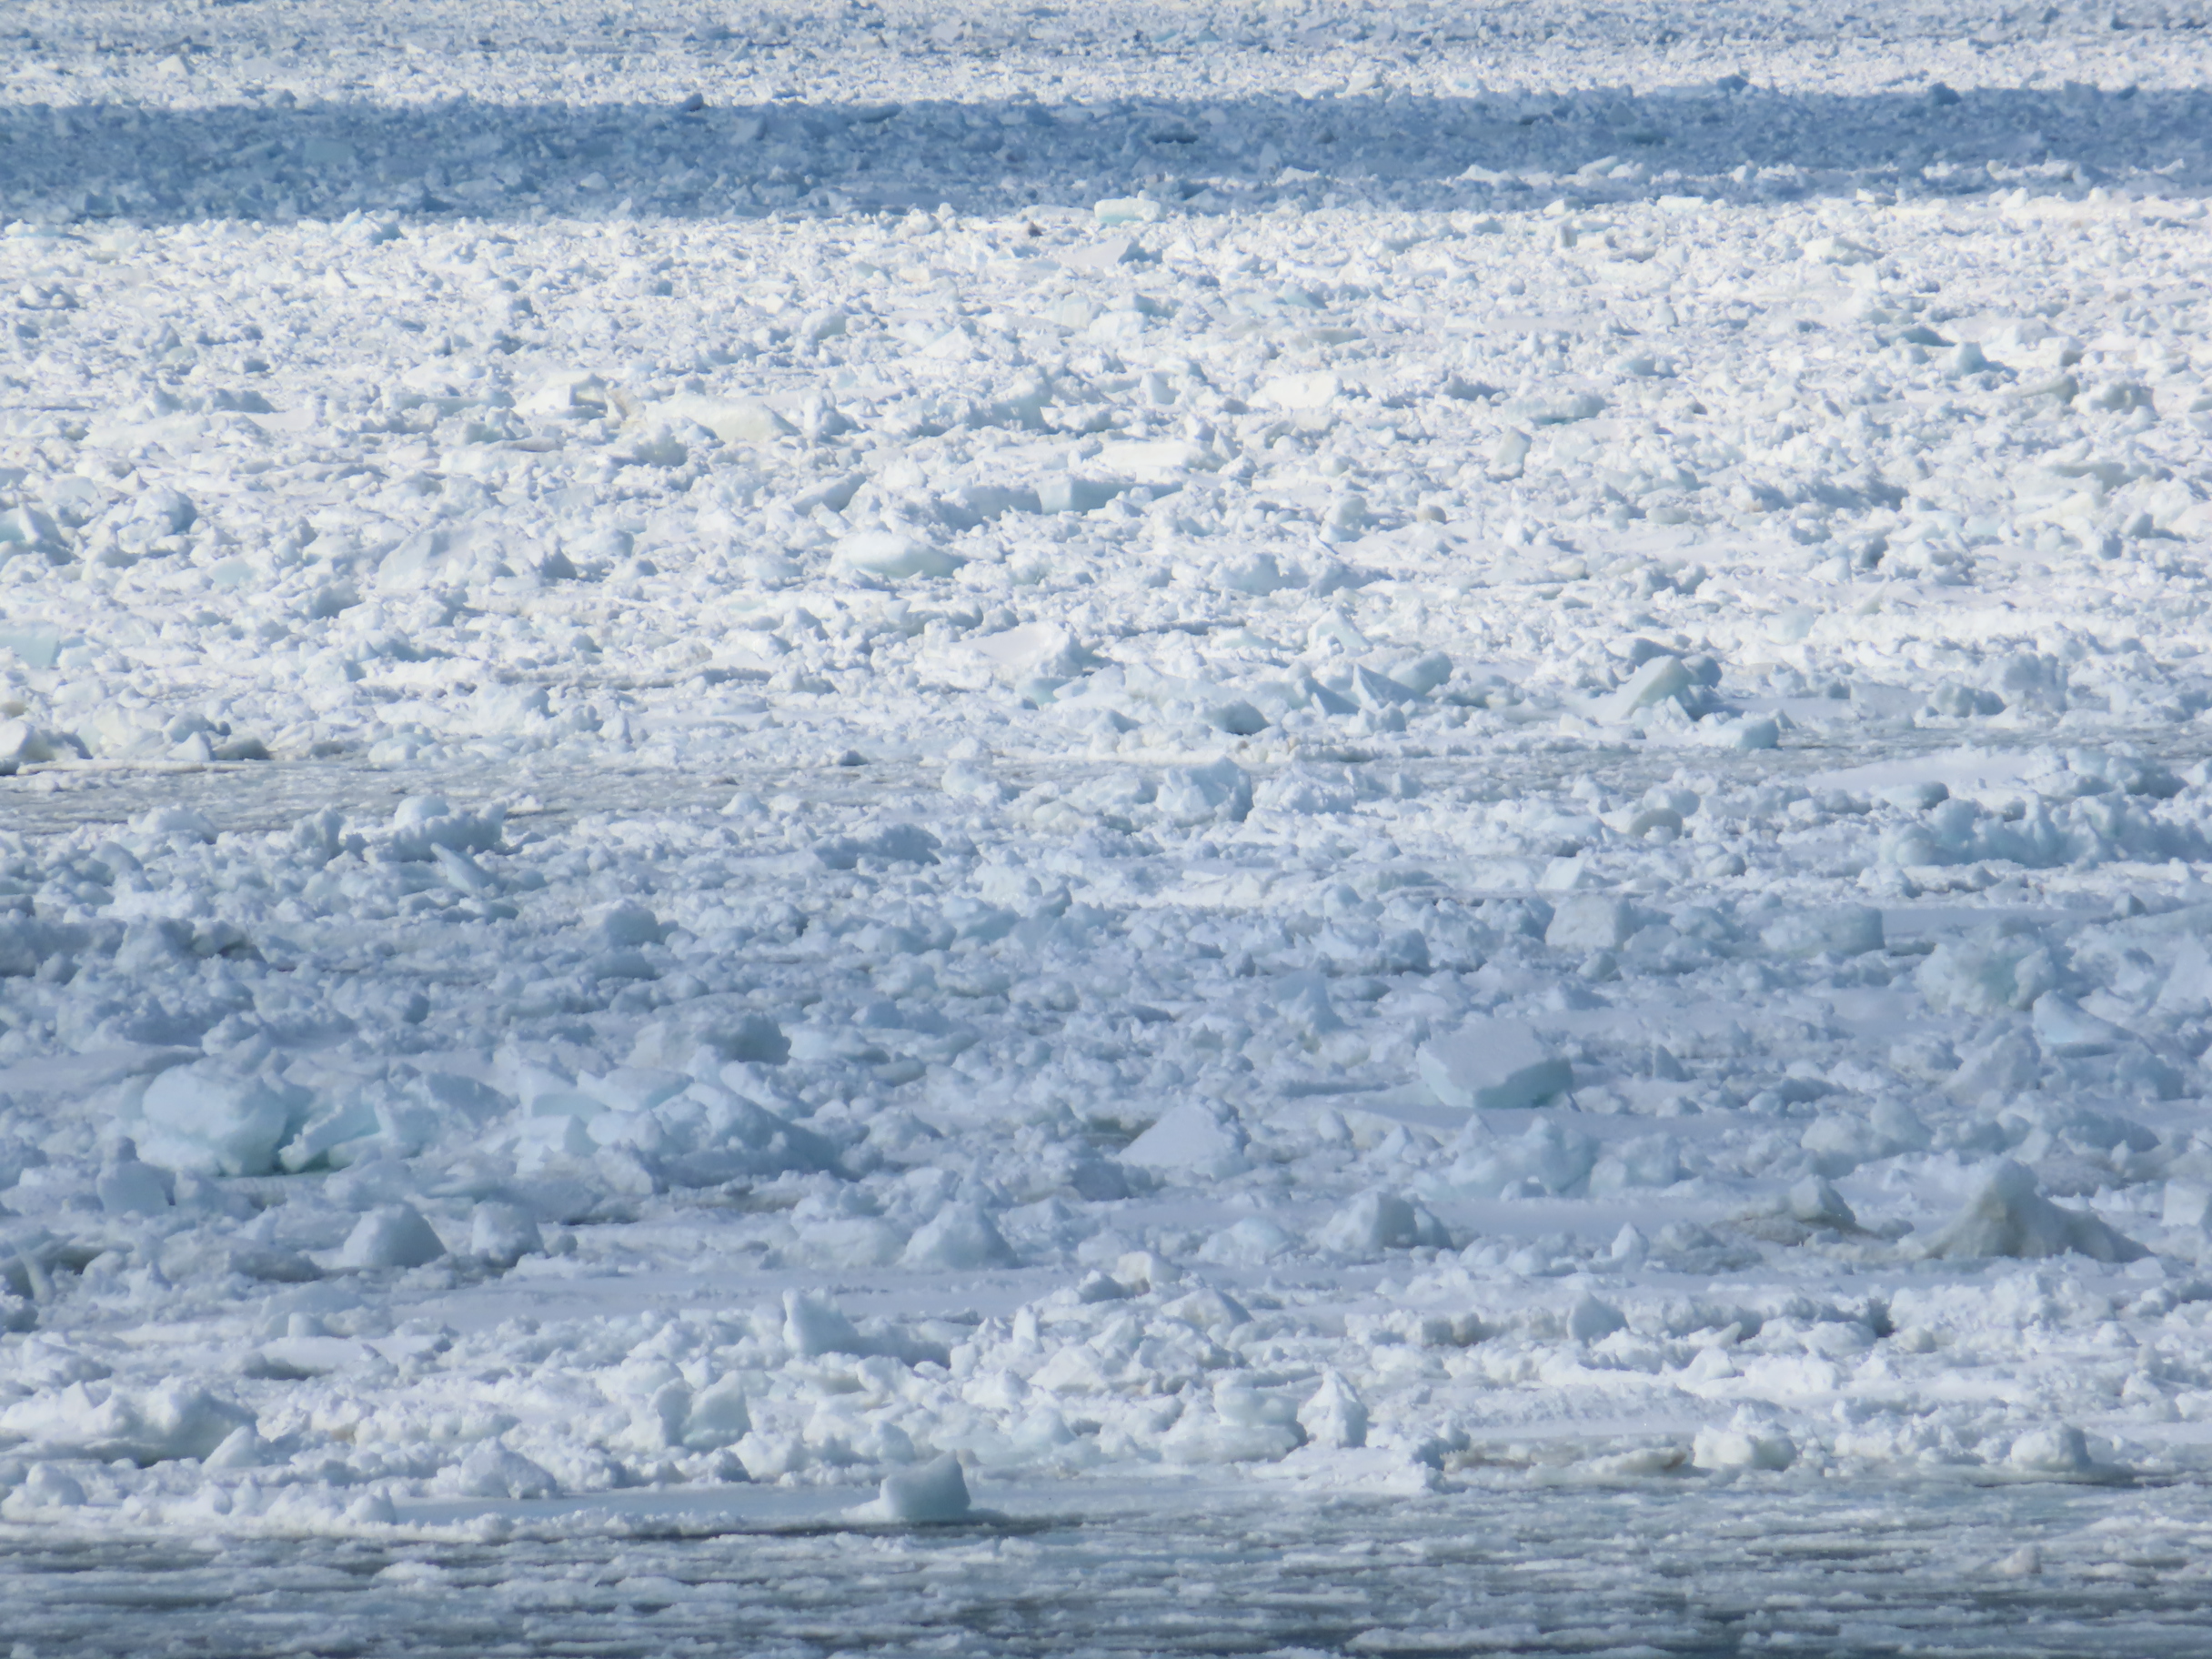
point(1284, 828)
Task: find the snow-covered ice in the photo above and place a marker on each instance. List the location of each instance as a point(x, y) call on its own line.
point(882, 756)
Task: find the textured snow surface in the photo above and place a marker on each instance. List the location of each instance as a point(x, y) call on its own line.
point(878, 755)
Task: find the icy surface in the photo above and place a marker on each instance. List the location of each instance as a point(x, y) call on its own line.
point(1384, 754)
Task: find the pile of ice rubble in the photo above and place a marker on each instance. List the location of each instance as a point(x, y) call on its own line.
point(311, 1216)
point(1328, 754)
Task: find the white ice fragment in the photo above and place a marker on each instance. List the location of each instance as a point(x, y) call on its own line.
point(1986, 976)
point(1492, 1065)
point(1817, 1204)
point(1547, 1154)
point(391, 1236)
point(1103, 255)
point(1421, 675)
point(1591, 1320)
point(2188, 989)
point(1334, 1416)
point(1034, 649)
point(570, 394)
point(1741, 1446)
point(1850, 930)
point(1839, 250)
point(2188, 1204)
point(1591, 921)
point(734, 421)
point(1249, 1242)
point(127, 1186)
point(496, 1470)
point(242, 1448)
point(1375, 1221)
point(812, 1327)
point(1065, 493)
point(175, 821)
point(959, 1236)
point(1316, 391)
point(503, 1234)
point(936, 1491)
point(1200, 794)
point(1660, 679)
point(2065, 1029)
point(1190, 1140)
point(23, 744)
point(1152, 460)
point(2008, 1216)
point(894, 556)
point(2060, 1449)
point(212, 1121)
point(1565, 875)
point(2009, 1063)
point(718, 1416)
point(627, 924)
point(1750, 733)
point(97, 1420)
point(44, 1488)
point(1127, 210)
point(422, 822)
point(1966, 358)
point(1379, 691)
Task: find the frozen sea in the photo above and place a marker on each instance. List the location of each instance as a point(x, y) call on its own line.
point(1564, 1570)
point(1011, 829)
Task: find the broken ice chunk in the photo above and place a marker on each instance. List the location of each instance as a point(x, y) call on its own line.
point(959, 1236)
point(503, 1233)
point(1851, 930)
point(1591, 1321)
point(2188, 1205)
point(935, 1491)
point(1376, 1222)
point(202, 1119)
point(1492, 1065)
point(1127, 210)
point(1591, 921)
point(1190, 1141)
point(895, 556)
point(1817, 1204)
point(1063, 493)
point(812, 1327)
point(1335, 1416)
point(734, 421)
point(2008, 1216)
point(1103, 256)
point(1743, 1445)
point(1660, 679)
point(392, 1236)
point(1309, 391)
